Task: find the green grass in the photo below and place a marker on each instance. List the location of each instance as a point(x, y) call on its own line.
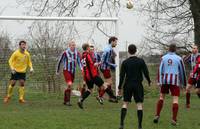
point(45, 111)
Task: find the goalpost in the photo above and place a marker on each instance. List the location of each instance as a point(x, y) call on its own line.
point(112, 19)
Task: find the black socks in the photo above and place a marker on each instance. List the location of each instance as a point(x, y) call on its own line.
point(123, 115)
point(140, 116)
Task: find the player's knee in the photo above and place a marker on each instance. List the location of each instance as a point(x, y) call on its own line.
point(188, 88)
point(109, 81)
point(125, 105)
point(162, 97)
point(198, 90)
point(21, 83)
point(139, 106)
point(90, 90)
point(12, 84)
point(69, 86)
point(175, 99)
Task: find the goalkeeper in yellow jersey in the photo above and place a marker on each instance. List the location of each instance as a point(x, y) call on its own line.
point(18, 62)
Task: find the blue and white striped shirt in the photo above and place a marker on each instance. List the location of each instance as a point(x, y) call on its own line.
point(172, 70)
point(69, 60)
point(107, 58)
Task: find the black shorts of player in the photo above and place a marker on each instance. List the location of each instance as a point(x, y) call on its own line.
point(96, 80)
point(133, 89)
point(198, 83)
point(18, 76)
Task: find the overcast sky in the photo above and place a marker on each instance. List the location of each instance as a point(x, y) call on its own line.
point(130, 26)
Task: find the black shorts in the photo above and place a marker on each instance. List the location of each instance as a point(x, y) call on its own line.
point(96, 80)
point(18, 76)
point(134, 89)
point(198, 84)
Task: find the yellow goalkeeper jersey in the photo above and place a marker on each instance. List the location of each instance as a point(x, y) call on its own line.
point(20, 61)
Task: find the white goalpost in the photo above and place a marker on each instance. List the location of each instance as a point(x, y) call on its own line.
point(40, 18)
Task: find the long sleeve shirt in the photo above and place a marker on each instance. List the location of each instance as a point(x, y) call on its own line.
point(192, 60)
point(89, 70)
point(69, 60)
point(106, 60)
point(20, 61)
point(132, 70)
point(172, 70)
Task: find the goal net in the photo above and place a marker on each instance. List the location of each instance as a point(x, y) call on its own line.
point(47, 38)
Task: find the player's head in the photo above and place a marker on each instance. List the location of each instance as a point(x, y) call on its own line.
point(113, 41)
point(172, 47)
point(91, 47)
point(72, 45)
point(194, 49)
point(22, 45)
point(132, 49)
point(86, 47)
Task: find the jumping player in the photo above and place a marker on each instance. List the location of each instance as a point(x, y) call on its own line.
point(70, 57)
point(107, 64)
point(171, 77)
point(91, 76)
point(18, 62)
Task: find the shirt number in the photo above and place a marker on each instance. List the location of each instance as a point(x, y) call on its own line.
point(170, 62)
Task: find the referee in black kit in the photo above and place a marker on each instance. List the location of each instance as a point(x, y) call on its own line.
point(132, 70)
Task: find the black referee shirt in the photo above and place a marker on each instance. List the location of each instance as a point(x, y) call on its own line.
point(132, 70)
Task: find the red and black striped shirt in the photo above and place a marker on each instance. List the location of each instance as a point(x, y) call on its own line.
point(89, 69)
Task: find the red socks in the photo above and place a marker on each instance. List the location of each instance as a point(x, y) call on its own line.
point(159, 107)
point(67, 95)
point(187, 98)
point(175, 111)
point(101, 92)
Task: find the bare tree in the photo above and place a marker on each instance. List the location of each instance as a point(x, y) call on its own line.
point(173, 20)
point(95, 8)
point(47, 42)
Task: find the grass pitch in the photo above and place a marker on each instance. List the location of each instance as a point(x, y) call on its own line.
point(46, 111)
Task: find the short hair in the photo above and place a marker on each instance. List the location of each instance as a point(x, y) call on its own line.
point(22, 41)
point(71, 42)
point(194, 45)
point(91, 46)
point(132, 49)
point(172, 47)
point(85, 46)
point(111, 39)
